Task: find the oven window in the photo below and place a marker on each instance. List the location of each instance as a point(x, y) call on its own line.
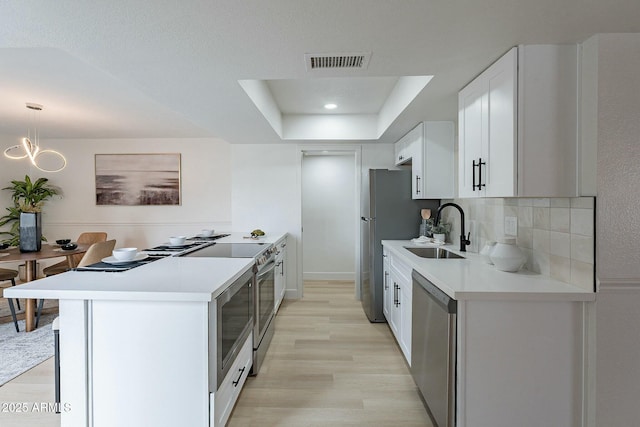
point(266, 297)
point(235, 314)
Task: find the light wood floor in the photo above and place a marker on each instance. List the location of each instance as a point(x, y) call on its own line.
point(326, 366)
point(33, 387)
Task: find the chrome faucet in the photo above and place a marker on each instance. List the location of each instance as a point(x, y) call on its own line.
point(464, 240)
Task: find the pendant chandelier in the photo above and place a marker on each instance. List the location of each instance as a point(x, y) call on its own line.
point(45, 160)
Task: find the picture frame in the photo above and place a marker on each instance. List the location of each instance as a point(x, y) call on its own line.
point(140, 179)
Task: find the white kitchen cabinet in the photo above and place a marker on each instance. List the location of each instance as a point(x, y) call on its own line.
point(524, 356)
point(402, 151)
point(429, 149)
point(517, 125)
point(399, 296)
point(387, 294)
point(280, 279)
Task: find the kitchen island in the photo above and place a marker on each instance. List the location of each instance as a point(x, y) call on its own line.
point(520, 346)
point(135, 345)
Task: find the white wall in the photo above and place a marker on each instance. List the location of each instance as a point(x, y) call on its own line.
point(266, 189)
point(328, 212)
point(205, 183)
point(617, 228)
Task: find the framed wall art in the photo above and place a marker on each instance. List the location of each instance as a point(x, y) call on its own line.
point(138, 179)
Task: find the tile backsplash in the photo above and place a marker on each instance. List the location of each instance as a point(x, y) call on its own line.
point(557, 234)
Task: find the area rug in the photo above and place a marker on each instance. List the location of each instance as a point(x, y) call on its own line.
point(21, 351)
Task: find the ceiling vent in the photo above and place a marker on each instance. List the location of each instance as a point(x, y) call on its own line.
point(324, 61)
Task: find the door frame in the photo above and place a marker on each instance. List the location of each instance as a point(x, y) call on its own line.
point(356, 150)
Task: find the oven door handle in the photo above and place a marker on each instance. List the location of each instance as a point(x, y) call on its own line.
point(265, 271)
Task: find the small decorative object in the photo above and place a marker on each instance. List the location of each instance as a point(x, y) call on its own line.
point(69, 246)
point(257, 233)
point(125, 254)
point(30, 231)
point(486, 251)
point(440, 230)
point(425, 225)
point(424, 228)
point(506, 256)
point(207, 232)
point(63, 241)
point(177, 240)
point(138, 179)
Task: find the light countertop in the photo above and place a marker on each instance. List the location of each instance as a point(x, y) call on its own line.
point(168, 279)
point(473, 279)
point(238, 237)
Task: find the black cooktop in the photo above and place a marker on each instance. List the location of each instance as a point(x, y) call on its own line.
point(231, 250)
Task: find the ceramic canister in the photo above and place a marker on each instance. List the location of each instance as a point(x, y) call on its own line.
point(506, 256)
point(486, 251)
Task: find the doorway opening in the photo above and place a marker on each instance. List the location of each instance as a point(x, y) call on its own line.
point(330, 180)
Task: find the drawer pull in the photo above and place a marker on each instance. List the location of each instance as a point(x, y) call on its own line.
point(236, 382)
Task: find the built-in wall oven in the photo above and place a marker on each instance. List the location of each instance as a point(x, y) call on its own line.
point(263, 289)
point(233, 324)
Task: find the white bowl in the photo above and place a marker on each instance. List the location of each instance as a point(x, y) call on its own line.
point(177, 240)
point(207, 232)
point(125, 254)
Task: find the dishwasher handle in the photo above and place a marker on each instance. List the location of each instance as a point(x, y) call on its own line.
point(437, 295)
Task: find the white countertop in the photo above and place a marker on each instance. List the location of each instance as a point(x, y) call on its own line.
point(473, 279)
point(238, 237)
point(168, 279)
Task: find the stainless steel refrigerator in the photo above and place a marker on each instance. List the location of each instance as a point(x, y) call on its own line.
point(388, 213)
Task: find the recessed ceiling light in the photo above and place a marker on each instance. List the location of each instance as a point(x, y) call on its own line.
point(330, 106)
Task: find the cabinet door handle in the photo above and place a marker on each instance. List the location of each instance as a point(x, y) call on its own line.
point(479, 185)
point(417, 184)
point(480, 163)
point(386, 284)
point(395, 294)
point(473, 185)
point(236, 382)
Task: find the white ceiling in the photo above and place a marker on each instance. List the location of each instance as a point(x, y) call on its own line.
point(160, 68)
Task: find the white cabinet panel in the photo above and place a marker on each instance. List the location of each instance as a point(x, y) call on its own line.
point(428, 149)
point(399, 297)
point(518, 125)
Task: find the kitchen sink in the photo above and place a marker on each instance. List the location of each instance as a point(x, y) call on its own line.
point(438, 253)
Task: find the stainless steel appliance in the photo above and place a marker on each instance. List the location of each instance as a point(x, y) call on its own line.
point(433, 349)
point(389, 213)
point(233, 325)
point(263, 289)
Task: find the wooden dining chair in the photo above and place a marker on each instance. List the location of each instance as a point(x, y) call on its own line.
point(10, 275)
point(94, 254)
point(97, 252)
point(86, 238)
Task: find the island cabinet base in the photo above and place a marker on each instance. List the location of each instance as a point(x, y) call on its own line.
point(134, 363)
point(521, 363)
point(223, 400)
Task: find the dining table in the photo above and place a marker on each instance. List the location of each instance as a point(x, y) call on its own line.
point(30, 260)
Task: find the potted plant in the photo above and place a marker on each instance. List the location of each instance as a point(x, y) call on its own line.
point(24, 217)
point(439, 231)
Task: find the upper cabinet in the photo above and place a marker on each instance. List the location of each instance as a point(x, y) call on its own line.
point(429, 150)
point(517, 125)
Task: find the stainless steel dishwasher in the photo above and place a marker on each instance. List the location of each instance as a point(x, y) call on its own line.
point(433, 349)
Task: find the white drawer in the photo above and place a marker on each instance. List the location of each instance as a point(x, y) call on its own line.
point(225, 397)
point(401, 267)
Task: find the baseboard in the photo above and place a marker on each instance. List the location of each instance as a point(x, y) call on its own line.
point(329, 276)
